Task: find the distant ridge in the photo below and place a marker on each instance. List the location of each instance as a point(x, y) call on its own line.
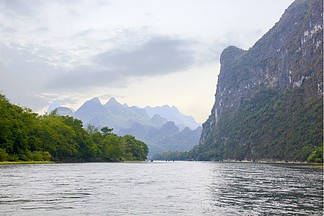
point(159, 127)
point(172, 114)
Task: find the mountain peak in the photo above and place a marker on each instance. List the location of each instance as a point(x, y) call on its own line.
point(231, 53)
point(172, 114)
point(112, 102)
point(175, 108)
point(95, 100)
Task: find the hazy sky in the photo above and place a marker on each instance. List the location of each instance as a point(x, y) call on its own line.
point(142, 52)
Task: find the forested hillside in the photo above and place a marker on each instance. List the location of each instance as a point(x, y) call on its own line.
point(25, 136)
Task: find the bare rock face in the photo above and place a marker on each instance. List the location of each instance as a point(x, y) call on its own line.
point(285, 64)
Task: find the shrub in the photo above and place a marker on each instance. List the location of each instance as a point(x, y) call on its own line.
point(3, 155)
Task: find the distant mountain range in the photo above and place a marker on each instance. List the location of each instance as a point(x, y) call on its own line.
point(167, 138)
point(162, 128)
point(172, 114)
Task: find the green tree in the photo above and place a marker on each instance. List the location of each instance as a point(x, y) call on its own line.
point(26, 136)
point(136, 148)
point(316, 156)
point(3, 155)
point(106, 130)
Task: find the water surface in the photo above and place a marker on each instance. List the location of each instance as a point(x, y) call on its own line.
point(160, 188)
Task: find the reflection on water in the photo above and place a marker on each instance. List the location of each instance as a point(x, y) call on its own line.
point(160, 188)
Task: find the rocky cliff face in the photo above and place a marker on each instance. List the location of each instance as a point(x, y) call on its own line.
point(287, 61)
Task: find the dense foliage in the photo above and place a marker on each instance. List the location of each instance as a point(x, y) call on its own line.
point(172, 155)
point(271, 125)
point(26, 136)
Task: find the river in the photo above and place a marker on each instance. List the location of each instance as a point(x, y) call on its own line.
point(160, 188)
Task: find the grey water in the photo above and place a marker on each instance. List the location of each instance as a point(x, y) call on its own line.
point(160, 188)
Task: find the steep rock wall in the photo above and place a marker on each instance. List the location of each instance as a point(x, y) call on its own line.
point(287, 59)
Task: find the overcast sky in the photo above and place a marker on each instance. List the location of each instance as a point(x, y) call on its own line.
point(142, 52)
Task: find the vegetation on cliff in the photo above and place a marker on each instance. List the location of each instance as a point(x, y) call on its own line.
point(271, 125)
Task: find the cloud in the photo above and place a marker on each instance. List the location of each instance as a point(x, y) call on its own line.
point(82, 33)
point(29, 70)
point(42, 29)
point(159, 55)
point(7, 30)
point(23, 74)
point(18, 8)
point(85, 77)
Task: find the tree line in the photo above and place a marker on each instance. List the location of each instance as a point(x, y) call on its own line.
point(25, 135)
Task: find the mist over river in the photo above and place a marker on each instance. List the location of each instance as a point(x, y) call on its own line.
point(160, 188)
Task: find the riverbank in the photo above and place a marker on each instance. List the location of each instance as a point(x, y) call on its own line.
point(25, 162)
point(52, 162)
point(296, 164)
point(301, 165)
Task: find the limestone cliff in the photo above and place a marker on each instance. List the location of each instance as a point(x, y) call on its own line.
point(270, 97)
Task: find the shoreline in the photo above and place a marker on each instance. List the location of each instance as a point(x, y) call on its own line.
point(66, 162)
point(290, 163)
point(268, 161)
point(298, 164)
point(25, 162)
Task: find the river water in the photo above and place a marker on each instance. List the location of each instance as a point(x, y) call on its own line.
point(160, 188)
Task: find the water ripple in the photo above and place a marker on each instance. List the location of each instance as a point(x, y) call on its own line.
point(163, 188)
